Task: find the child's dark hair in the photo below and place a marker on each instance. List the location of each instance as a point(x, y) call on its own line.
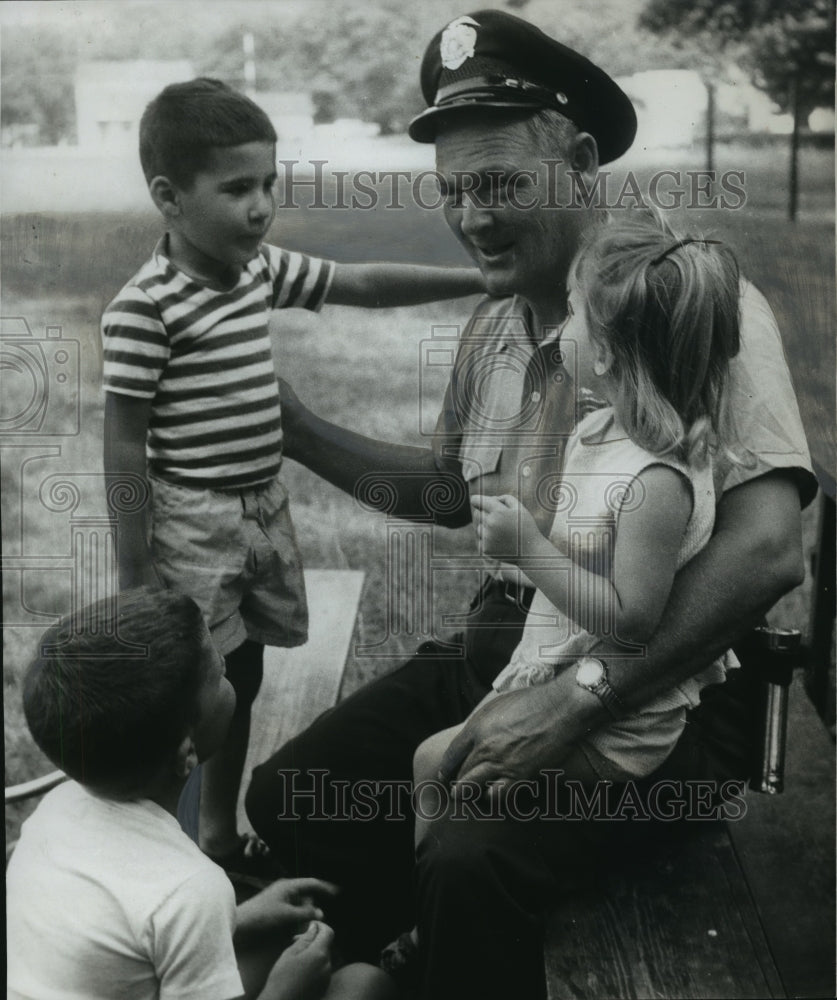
point(186, 121)
point(114, 688)
point(668, 307)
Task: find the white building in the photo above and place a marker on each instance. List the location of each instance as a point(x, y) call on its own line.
point(292, 114)
point(670, 104)
point(111, 97)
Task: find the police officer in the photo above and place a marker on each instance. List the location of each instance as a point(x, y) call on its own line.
point(515, 115)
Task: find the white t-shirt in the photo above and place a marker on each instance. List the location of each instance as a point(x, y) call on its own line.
point(112, 900)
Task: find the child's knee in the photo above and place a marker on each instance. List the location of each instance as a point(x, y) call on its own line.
point(361, 982)
point(427, 759)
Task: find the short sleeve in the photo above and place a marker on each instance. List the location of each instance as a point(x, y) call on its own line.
point(191, 942)
point(299, 281)
point(764, 427)
point(136, 345)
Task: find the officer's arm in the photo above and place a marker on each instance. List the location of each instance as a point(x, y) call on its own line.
point(752, 559)
point(402, 480)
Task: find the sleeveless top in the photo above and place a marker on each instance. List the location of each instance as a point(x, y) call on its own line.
point(601, 479)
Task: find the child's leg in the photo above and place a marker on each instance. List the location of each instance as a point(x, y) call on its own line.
point(221, 774)
point(358, 981)
point(426, 762)
point(361, 982)
point(303, 972)
point(428, 758)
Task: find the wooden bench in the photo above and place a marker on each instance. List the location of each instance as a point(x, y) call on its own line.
point(742, 909)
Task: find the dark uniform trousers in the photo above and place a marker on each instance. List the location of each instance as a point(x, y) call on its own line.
point(335, 803)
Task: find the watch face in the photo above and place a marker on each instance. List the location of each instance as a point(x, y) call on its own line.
point(589, 672)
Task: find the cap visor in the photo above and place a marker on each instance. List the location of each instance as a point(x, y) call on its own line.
point(424, 126)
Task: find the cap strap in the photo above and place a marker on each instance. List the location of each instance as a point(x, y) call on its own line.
point(682, 243)
point(510, 88)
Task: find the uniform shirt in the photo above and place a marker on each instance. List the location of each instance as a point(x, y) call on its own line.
point(111, 899)
point(510, 406)
point(203, 356)
point(508, 409)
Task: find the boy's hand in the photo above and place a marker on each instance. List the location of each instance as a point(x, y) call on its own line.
point(304, 968)
point(288, 906)
point(505, 528)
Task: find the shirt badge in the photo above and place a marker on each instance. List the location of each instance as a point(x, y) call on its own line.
point(458, 42)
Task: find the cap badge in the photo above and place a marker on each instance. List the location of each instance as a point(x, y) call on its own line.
point(458, 42)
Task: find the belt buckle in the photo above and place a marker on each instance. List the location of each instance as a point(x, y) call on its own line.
point(511, 591)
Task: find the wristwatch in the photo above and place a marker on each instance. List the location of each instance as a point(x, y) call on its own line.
point(591, 674)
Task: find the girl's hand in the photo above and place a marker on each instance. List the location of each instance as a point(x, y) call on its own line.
point(303, 971)
point(505, 528)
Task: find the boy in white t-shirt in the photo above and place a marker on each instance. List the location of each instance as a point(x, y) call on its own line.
point(106, 896)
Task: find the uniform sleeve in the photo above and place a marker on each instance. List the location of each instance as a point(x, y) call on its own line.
point(299, 281)
point(191, 940)
point(136, 345)
point(764, 427)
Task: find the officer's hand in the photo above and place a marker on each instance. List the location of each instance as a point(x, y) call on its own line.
point(512, 737)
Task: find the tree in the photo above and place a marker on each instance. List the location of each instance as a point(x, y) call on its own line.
point(38, 69)
point(787, 45)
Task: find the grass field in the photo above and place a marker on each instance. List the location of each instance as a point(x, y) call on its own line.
point(361, 369)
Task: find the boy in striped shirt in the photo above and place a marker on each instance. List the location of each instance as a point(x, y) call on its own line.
point(192, 401)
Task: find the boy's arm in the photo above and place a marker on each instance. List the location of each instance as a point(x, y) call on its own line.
point(126, 427)
point(284, 909)
point(384, 285)
point(286, 906)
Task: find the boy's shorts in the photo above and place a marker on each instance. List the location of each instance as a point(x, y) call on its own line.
point(235, 553)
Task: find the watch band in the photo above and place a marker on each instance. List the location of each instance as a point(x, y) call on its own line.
point(600, 686)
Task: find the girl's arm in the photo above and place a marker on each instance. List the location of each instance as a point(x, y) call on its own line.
point(628, 606)
point(384, 285)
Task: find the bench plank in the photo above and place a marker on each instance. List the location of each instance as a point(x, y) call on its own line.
point(300, 684)
point(763, 885)
point(678, 924)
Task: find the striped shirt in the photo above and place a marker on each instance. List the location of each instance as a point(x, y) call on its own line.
point(204, 357)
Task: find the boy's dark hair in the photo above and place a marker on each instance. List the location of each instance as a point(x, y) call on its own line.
point(187, 120)
point(114, 688)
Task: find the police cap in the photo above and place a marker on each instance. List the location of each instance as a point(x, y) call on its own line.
point(491, 59)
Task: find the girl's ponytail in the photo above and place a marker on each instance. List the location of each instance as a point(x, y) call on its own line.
point(667, 305)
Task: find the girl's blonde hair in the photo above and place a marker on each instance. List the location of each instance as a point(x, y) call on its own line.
point(667, 306)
